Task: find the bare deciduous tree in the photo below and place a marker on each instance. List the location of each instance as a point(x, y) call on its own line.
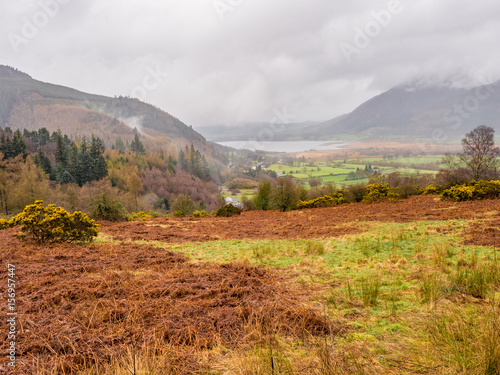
point(480, 156)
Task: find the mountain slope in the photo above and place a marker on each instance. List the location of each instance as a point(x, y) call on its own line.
point(31, 104)
point(419, 112)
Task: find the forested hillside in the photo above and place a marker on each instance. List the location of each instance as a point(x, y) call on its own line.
point(81, 174)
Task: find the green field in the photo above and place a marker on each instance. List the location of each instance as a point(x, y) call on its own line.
point(337, 172)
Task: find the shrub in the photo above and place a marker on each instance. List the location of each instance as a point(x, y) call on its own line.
point(185, 204)
point(4, 224)
point(326, 201)
point(459, 193)
point(377, 192)
point(152, 213)
point(432, 189)
point(227, 211)
point(178, 213)
point(473, 190)
point(55, 224)
point(200, 214)
point(248, 203)
point(139, 215)
point(355, 193)
point(104, 207)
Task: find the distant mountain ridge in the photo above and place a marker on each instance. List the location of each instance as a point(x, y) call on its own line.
point(429, 112)
point(31, 104)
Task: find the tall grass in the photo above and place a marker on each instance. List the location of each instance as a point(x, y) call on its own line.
point(431, 289)
point(477, 280)
point(369, 290)
point(467, 342)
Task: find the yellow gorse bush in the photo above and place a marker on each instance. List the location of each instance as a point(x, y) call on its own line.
point(54, 224)
point(4, 224)
point(432, 189)
point(325, 201)
point(473, 190)
point(377, 192)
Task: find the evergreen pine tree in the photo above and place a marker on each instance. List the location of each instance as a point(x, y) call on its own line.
point(18, 145)
point(171, 164)
point(137, 146)
point(61, 152)
point(100, 168)
point(67, 178)
point(5, 147)
point(119, 145)
point(86, 167)
point(73, 167)
point(43, 136)
point(41, 159)
point(183, 161)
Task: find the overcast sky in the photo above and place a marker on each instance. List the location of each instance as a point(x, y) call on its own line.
point(230, 61)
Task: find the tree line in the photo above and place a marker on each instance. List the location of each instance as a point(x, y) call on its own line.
point(62, 159)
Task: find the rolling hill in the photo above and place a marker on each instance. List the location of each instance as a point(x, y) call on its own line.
point(26, 103)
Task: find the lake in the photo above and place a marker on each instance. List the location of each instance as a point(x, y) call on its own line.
point(284, 146)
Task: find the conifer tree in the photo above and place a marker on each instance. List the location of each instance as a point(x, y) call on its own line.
point(61, 153)
point(137, 146)
point(18, 145)
point(183, 161)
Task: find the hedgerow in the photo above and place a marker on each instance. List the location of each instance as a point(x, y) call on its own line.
point(377, 192)
point(473, 190)
point(54, 224)
point(325, 201)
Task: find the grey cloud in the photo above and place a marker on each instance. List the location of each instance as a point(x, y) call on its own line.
point(262, 56)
